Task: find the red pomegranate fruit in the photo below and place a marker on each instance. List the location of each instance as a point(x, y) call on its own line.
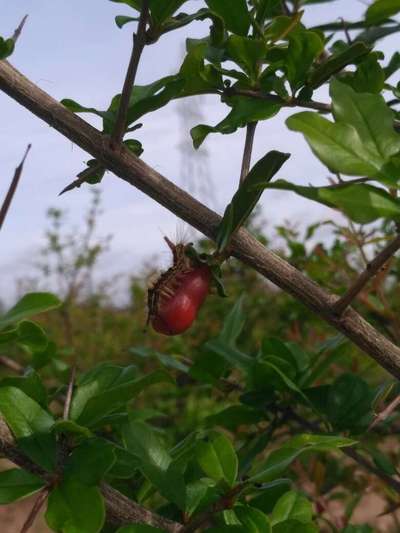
point(178, 294)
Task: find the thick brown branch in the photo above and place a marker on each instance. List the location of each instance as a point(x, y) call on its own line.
point(120, 509)
point(372, 269)
point(13, 187)
point(244, 247)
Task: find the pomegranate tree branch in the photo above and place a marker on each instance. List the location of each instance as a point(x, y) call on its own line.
point(11, 364)
point(39, 502)
point(371, 270)
point(139, 42)
point(124, 164)
point(120, 509)
point(291, 102)
point(350, 451)
point(248, 148)
point(13, 187)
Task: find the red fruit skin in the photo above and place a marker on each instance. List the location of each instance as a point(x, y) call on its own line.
point(177, 313)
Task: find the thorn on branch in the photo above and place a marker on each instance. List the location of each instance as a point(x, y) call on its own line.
point(83, 177)
point(18, 31)
point(383, 415)
point(13, 187)
point(68, 399)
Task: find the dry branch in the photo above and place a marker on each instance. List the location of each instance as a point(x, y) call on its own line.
point(244, 247)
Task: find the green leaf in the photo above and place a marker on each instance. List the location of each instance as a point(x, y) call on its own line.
point(247, 196)
point(370, 116)
point(196, 493)
point(232, 355)
point(362, 203)
point(335, 63)
point(75, 508)
point(369, 76)
point(199, 78)
point(235, 415)
point(72, 428)
point(381, 10)
point(29, 305)
point(233, 323)
point(90, 461)
point(254, 520)
point(108, 388)
point(279, 460)
point(6, 47)
point(30, 425)
point(362, 140)
point(294, 506)
point(304, 47)
point(218, 459)
point(31, 384)
point(247, 53)
point(326, 442)
point(161, 11)
point(155, 461)
point(349, 402)
point(121, 20)
point(234, 14)
point(16, 484)
point(244, 110)
point(32, 336)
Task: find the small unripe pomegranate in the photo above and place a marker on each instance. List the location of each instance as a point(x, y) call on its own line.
point(177, 296)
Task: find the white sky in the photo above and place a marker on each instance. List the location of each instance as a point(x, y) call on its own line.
point(73, 49)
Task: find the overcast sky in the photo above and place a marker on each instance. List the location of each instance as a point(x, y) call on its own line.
point(74, 49)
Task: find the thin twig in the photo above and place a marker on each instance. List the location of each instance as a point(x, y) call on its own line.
point(11, 364)
point(18, 31)
point(350, 451)
point(372, 269)
point(139, 42)
point(68, 399)
point(292, 102)
point(35, 510)
point(346, 30)
point(13, 187)
point(380, 417)
point(248, 148)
